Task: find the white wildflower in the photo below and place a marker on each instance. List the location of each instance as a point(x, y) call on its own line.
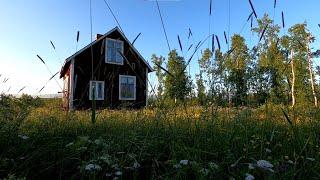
point(118, 173)
point(98, 141)
point(268, 150)
point(93, 167)
point(249, 176)
point(177, 166)
point(108, 174)
point(83, 148)
point(251, 166)
point(213, 165)
point(184, 162)
point(286, 157)
point(290, 162)
point(24, 137)
point(70, 144)
point(136, 165)
point(310, 159)
point(263, 164)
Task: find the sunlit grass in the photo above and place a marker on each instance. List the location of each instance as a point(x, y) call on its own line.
point(161, 143)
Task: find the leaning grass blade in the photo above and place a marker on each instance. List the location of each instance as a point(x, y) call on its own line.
point(282, 16)
point(217, 38)
point(53, 75)
point(299, 42)
point(21, 89)
point(180, 43)
point(225, 37)
point(164, 69)
point(254, 11)
point(287, 117)
point(230, 51)
point(210, 7)
point(190, 47)
point(190, 33)
point(41, 59)
point(78, 35)
point(212, 45)
point(136, 38)
point(263, 32)
point(41, 89)
point(249, 17)
point(52, 45)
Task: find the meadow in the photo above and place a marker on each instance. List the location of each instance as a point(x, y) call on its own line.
point(38, 140)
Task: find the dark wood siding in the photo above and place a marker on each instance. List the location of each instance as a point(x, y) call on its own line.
point(109, 73)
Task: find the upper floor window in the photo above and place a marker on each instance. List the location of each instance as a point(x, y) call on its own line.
point(96, 90)
point(113, 47)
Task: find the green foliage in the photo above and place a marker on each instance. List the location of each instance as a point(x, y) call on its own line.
point(158, 61)
point(237, 67)
point(163, 142)
point(200, 90)
point(177, 83)
point(12, 108)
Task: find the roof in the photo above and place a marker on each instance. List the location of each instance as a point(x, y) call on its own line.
point(68, 60)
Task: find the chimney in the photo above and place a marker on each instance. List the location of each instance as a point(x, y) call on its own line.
point(98, 36)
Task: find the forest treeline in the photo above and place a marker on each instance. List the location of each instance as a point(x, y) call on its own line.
point(279, 70)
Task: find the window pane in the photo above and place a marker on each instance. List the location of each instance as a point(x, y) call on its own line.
point(123, 91)
point(113, 55)
point(119, 58)
point(93, 90)
point(99, 90)
point(110, 44)
point(93, 84)
point(109, 54)
point(130, 80)
point(127, 87)
point(124, 80)
point(130, 91)
point(118, 44)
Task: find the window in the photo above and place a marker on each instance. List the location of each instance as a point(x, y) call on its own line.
point(98, 88)
point(127, 87)
point(112, 49)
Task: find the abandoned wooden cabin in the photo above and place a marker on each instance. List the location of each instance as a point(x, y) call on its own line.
point(119, 79)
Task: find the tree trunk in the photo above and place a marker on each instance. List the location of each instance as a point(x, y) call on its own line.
point(311, 77)
point(293, 79)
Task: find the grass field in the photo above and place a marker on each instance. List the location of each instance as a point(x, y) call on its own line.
point(39, 141)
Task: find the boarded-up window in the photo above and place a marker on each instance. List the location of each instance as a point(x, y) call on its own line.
point(113, 47)
point(127, 87)
point(96, 90)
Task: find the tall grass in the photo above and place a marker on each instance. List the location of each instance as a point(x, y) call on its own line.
point(158, 143)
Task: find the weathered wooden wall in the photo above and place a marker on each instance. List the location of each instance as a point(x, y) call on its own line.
point(109, 73)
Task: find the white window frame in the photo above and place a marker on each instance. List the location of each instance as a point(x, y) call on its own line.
point(96, 93)
point(134, 89)
point(106, 51)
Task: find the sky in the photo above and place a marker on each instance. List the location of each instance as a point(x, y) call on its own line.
point(28, 26)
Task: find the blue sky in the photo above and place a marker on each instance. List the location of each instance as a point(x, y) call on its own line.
point(28, 26)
